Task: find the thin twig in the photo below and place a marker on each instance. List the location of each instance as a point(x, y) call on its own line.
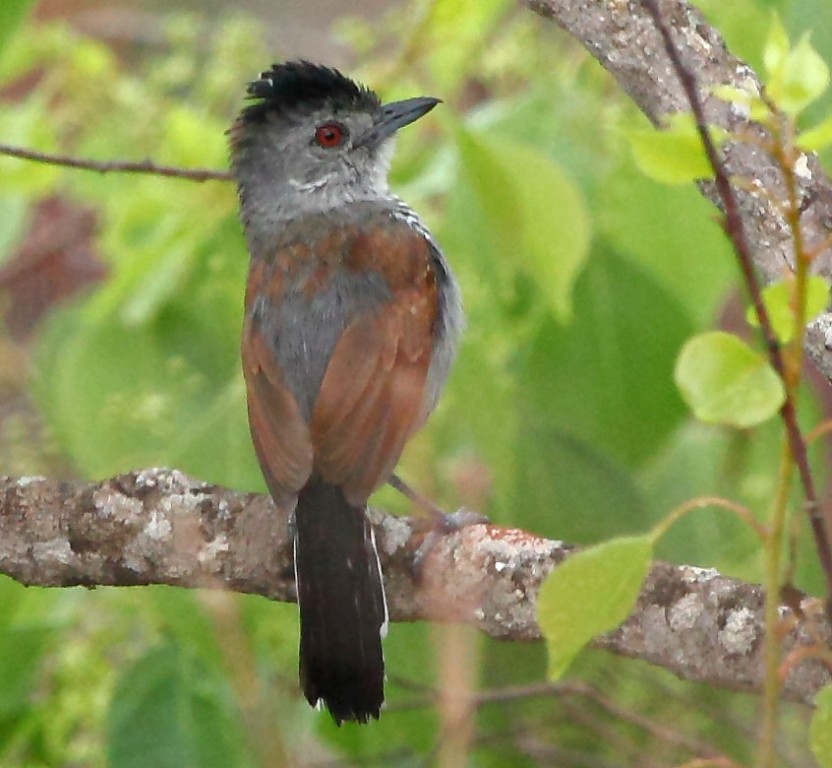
point(796, 454)
point(117, 166)
point(735, 230)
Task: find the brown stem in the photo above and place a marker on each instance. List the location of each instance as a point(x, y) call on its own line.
point(117, 166)
point(735, 230)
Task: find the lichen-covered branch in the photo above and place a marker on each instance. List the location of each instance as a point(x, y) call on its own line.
point(621, 35)
point(158, 526)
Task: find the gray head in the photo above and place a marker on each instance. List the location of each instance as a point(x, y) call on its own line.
point(313, 140)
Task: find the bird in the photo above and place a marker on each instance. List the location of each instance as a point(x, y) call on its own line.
point(352, 322)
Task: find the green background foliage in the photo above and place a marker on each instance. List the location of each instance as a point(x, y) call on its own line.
point(582, 280)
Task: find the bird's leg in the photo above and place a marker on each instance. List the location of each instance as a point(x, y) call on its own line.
point(442, 523)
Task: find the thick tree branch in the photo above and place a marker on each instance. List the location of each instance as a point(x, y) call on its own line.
point(621, 35)
point(158, 526)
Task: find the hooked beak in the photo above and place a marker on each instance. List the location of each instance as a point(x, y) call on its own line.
point(391, 117)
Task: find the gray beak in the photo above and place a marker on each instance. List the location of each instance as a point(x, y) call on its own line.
point(391, 117)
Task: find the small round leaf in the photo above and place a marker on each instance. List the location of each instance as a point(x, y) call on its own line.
point(779, 301)
point(724, 381)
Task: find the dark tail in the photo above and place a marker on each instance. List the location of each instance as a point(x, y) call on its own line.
point(342, 611)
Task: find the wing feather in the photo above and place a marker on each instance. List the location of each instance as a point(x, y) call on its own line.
point(360, 427)
point(280, 435)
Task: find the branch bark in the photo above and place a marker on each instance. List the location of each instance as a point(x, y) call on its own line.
point(158, 526)
point(623, 38)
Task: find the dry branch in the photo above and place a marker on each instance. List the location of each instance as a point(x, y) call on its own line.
point(159, 526)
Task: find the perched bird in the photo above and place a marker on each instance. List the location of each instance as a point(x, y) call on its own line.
point(352, 318)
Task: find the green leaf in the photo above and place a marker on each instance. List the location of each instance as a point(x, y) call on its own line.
point(625, 409)
point(165, 394)
point(724, 381)
point(590, 593)
point(817, 137)
point(702, 268)
point(820, 729)
point(779, 301)
point(12, 14)
point(799, 79)
point(21, 655)
point(569, 485)
point(674, 155)
point(169, 712)
point(777, 46)
point(534, 212)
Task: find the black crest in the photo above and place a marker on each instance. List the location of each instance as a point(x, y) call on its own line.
point(302, 84)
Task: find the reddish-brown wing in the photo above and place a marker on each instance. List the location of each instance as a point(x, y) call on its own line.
point(279, 433)
point(373, 393)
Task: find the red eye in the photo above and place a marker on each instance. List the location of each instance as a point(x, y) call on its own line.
point(329, 135)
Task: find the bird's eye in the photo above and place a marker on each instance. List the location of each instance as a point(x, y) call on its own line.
point(330, 135)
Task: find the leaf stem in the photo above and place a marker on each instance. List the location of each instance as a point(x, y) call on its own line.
point(735, 229)
point(773, 550)
point(662, 527)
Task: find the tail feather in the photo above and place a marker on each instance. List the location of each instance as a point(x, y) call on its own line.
point(343, 615)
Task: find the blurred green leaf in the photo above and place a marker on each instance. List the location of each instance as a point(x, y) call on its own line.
point(590, 380)
point(820, 729)
point(779, 301)
point(673, 155)
point(29, 626)
point(700, 460)
point(798, 76)
point(25, 126)
point(12, 14)
point(567, 487)
point(688, 254)
point(533, 211)
point(591, 592)
point(121, 397)
point(169, 711)
point(776, 47)
point(725, 382)
point(817, 137)
point(21, 658)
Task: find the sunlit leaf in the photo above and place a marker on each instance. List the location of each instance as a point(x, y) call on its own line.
point(799, 79)
point(591, 592)
point(779, 301)
point(724, 381)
